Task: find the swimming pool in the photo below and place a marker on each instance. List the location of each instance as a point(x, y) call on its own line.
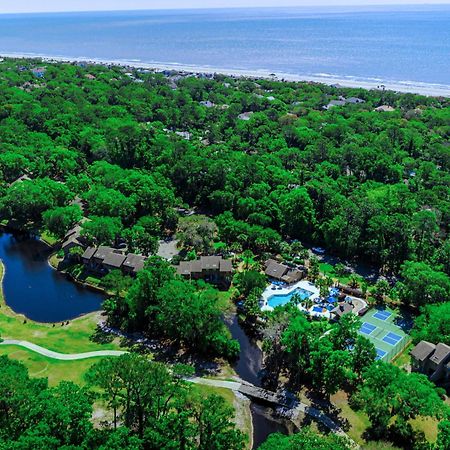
point(281, 299)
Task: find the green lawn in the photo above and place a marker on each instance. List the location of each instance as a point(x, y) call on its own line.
point(42, 367)
point(328, 269)
point(48, 238)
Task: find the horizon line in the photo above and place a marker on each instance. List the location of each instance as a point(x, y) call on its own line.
point(200, 8)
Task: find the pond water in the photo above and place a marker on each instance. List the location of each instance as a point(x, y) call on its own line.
point(31, 287)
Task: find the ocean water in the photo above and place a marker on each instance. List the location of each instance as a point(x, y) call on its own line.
point(402, 46)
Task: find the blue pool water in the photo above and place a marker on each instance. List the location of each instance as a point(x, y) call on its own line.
point(282, 299)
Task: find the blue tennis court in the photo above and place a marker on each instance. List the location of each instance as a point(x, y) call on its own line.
point(367, 328)
point(380, 353)
point(392, 338)
point(382, 315)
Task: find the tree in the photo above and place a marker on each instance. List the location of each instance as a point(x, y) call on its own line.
point(330, 369)
point(313, 269)
point(110, 202)
point(422, 284)
point(60, 220)
point(191, 316)
point(102, 230)
point(425, 228)
point(246, 281)
point(343, 335)
point(216, 431)
point(139, 241)
point(381, 289)
point(197, 232)
point(305, 439)
point(388, 392)
point(363, 355)
point(142, 298)
point(443, 438)
point(116, 282)
point(298, 213)
point(433, 324)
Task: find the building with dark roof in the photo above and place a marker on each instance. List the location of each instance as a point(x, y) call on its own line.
point(113, 261)
point(103, 259)
point(342, 309)
point(133, 263)
point(213, 269)
point(431, 360)
point(282, 272)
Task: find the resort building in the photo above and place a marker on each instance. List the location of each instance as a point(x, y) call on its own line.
point(282, 272)
point(104, 259)
point(213, 269)
point(431, 360)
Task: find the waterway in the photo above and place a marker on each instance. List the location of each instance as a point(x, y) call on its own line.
point(249, 368)
point(31, 287)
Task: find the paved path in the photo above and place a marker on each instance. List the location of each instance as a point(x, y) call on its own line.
point(61, 356)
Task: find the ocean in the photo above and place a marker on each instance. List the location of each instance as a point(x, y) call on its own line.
point(403, 47)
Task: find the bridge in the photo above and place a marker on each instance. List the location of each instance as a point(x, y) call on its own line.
point(283, 399)
point(293, 408)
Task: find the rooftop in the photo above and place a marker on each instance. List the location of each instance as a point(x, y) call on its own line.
point(441, 353)
point(114, 260)
point(135, 262)
point(422, 350)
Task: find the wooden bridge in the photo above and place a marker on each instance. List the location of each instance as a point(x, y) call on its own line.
point(274, 398)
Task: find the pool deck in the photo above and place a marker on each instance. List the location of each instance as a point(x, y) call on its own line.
point(303, 284)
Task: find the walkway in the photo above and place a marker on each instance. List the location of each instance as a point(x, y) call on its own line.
point(61, 356)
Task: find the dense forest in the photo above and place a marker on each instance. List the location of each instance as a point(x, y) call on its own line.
point(270, 168)
point(264, 157)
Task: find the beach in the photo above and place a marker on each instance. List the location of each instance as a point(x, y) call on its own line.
point(426, 89)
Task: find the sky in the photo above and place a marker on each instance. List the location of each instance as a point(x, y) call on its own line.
point(20, 6)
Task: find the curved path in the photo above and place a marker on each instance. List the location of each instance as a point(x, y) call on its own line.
point(60, 356)
point(235, 386)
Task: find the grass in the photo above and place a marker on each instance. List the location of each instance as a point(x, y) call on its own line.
point(358, 420)
point(403, 360)
point(48, 238)
point(328, 269)
point(41, 367)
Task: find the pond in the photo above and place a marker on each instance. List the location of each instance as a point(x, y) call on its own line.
point(31, 287)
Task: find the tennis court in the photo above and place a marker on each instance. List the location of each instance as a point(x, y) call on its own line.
point(381, 327)
point(367, 328)
point(392, 338)
point(380, 353)
point(382, 315)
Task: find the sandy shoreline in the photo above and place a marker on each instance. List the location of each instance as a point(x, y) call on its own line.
point(428, 89)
